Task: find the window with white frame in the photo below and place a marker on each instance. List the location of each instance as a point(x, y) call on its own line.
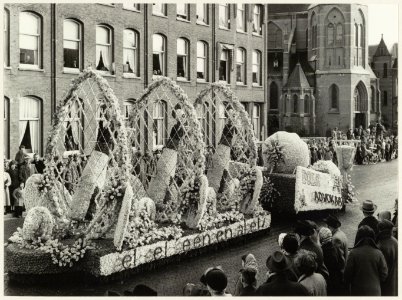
point(159, 54)
point(257, 120)
point(30, 124)
point(224, 68)
point(241, 66)
point(202, 14)
point(104, 49)
point(224, 16)
point(6, 38)
point(202, 61)
point(182, 59)
point(257, 19)
point(72, 126)
point(183, 11)
point(241, 17)
point(6, 127)
point(159, 9)
point(30, 40)
point(256, 68)
point(131, 6)
point(160, 124)
point(72, 44)
point(130, 52)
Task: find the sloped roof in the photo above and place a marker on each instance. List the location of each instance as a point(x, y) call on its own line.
point(372, 49)
point(297, 78)
point(384, 48)
point(286, 8)
point(395, 65)
point(372, 75)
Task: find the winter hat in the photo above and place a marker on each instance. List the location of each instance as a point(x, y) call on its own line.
point(325, 235)
point(384, 215)
point(385, 225)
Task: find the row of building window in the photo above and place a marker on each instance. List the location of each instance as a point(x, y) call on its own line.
point(30, 123)
point(30, 52)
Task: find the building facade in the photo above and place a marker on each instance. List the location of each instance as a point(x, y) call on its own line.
point(47, 45)
point(385, 66)
point(318, 72)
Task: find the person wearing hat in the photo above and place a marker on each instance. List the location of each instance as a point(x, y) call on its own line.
point(389, 247)
point(334, 261)
point(368, 208)
point(339, 239)
point(20, 155)
point(290, 247)
point(366, 267)
point(278, 283)
point(246, 284)
point(308, 230)
point(216, 281)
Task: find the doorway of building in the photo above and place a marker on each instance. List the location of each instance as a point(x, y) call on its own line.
point(360, 119)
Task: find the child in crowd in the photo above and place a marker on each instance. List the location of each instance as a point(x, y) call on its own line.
point(19, 194)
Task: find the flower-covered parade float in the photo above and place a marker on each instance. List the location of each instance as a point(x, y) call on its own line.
point(120, 194)
point(292, 185)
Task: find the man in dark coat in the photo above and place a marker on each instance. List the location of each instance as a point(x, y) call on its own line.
point(389, 247)
point(25, 170)
point(39, 164)
point(339, 239)
point(278, 283)
point(366, 267)
point(20, 155)
point(368, 208)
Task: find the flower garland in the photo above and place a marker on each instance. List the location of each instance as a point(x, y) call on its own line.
point(251, 148)
point(274, 154)
point(143, 231)
point(247, 178)
point(349, 193)
point(218, 220)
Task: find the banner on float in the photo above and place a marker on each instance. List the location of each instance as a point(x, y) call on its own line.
point(130, 259)
point(317, 191)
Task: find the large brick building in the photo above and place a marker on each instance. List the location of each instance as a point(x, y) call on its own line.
point(318, 71)
point(46, 45)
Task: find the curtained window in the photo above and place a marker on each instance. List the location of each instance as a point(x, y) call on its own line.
point(159, 9)
point(104, 49)
point(224, 71)
point(30, 124)
point(131, 6)
point(256, 68)
point(202, 61)
point(183, 11)
point(6, 38)
point(241, 66)
point(224, 16)
point(183, 59)
point(130, 52)
point(202, 13)
point(159, 54)
point(30, 39)
point(257, 20)
point(72, 44)
point(6, 127)
point(160, 124)
point(73, 128)
point(241, 17)
point(257, 120)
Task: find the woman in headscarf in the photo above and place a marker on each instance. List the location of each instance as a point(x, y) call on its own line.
point(366, 267)
point(246, 284)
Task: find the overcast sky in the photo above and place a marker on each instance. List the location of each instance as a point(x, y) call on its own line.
point(383, 19)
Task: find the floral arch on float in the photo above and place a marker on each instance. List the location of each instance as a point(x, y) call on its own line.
point(232, 172)
point(102, 206)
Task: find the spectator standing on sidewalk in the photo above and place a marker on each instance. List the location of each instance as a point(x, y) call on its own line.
point(19, 194)
point(25, 170)
point(246, 284)
point(20, 155)
point(216, 281)
point(366, 267)
point(339, 238)
point(368, 208)
point(7, 198)
point(312, 281)
point(15, 182)
point(38, 163)
point(389, 247)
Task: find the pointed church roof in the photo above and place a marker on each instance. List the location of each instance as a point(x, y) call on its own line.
point(382, 49)
point(297, 78)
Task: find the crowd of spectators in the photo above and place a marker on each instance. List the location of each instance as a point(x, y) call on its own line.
point(373, 145)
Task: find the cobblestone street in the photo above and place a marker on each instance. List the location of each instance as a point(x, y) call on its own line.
point(376, 182)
